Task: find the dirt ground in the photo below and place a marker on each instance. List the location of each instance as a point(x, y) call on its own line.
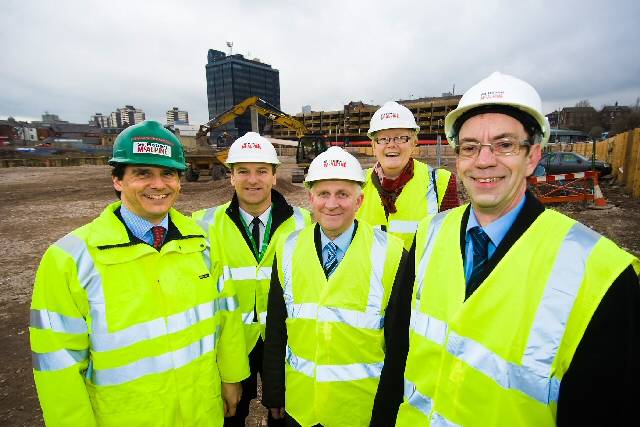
point(40, 205)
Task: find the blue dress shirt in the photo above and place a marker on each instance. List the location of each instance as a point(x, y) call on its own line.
point(342, 242)
point(140, 227)
point(496, 232)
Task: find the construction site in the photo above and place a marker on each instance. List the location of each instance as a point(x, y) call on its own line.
point(41, 204)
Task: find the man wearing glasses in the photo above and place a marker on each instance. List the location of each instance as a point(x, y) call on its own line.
point(533, 319)
point(399, 191)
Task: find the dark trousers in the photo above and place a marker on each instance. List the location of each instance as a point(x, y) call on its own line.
point(250, 391)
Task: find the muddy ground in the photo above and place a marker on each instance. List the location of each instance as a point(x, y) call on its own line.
point(40, 205)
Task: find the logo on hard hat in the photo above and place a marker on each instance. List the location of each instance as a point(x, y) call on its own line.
point(250, 145)
point(493, 94)
point(335, 163)
point(385, 116)
point(148, 147)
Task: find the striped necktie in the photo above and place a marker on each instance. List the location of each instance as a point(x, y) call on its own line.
point(332, 258)
point(480, 247)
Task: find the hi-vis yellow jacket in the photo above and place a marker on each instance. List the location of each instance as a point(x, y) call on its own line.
point(335, 348)
point(499, 357)
point(124, 335)
point(420, 197)
point(247, 277)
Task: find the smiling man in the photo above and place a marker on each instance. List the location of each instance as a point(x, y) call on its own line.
point(243, 235)
point(126, 326)
point(331, 282)
point(533, 318)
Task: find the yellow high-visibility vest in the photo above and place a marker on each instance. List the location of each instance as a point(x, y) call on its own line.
point(247, 277)
point(418, 199)
point(125, 335)
point(499, 357)
point(335, 347)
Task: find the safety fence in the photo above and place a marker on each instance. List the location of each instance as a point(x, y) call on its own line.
point(623, 152)
point(569, 187)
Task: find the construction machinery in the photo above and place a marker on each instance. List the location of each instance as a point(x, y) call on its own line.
point(308, 147)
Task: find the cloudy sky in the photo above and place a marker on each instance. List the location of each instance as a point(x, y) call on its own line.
point(76, 58)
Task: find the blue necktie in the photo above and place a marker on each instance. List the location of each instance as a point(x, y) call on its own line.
point(480, 242)
point(332, 258)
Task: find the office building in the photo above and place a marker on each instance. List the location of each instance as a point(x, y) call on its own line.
point(127, 116)
point(176, 116)
point(233, 78)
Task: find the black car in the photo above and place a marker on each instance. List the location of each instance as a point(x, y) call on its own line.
point(562, 162)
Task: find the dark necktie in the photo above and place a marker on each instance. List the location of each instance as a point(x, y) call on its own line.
point(255, 233)
point(158, 236)
point(332, 259)
point(480, 242)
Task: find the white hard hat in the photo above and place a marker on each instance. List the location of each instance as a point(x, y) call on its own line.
point(335, 163)
point(392, 116)
point(252, 148)
point(499, 90)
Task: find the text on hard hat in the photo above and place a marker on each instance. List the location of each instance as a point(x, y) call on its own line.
point(251, 145)
point(335, 163)
point(148, 147)
point(493, 94)
point(384, 116)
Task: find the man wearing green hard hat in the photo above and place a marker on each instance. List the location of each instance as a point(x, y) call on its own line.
point(126, 320)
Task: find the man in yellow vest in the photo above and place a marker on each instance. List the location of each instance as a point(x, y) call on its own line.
point(331, 282)
point(126, 322)
point(533, 319)
point(243, 235)
point(399, 191)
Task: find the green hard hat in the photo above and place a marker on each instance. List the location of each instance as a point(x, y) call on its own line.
point(148, 143)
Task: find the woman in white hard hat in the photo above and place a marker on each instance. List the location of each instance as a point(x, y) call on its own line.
point(399, 190)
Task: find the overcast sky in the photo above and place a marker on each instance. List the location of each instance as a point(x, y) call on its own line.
point(76, 58)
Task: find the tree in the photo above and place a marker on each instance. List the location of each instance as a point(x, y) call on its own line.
point(583, 103)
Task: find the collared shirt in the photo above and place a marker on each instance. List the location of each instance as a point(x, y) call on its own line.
point(342, 242)
point(140, 227)
point(496, 232)
point(264, 218)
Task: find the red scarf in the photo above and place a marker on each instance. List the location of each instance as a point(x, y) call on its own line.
point(390, 189)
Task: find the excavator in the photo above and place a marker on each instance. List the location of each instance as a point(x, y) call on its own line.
point(308, 147)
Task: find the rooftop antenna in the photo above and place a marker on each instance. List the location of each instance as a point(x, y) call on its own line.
point(453, 91)
point(230, 46)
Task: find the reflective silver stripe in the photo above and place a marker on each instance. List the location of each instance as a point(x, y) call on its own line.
point(416, 399)
point(206, 255)
point(228, 303)
point(354, 318)
point(247, 318)
point(45, 319)
point(397, 226)
point(559, 296)
point(287, 266)
point(156, 364)
point(432, 234)
point(432, 198)
point(153, 328)
point(438, 420)
point(263, 317)
point(89, 279)
point(376, 284)
point(57, 360)
point(428, 327)
point(328, 373)
point(299, 218)
point(532, 377)
point(246, 273)
point(208, 219)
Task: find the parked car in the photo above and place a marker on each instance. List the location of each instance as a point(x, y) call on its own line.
point(562, 162)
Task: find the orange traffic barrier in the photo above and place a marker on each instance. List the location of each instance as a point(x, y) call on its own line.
point(568, 187)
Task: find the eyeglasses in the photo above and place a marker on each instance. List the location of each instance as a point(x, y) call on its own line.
point(502, 147)
point(397, 139)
